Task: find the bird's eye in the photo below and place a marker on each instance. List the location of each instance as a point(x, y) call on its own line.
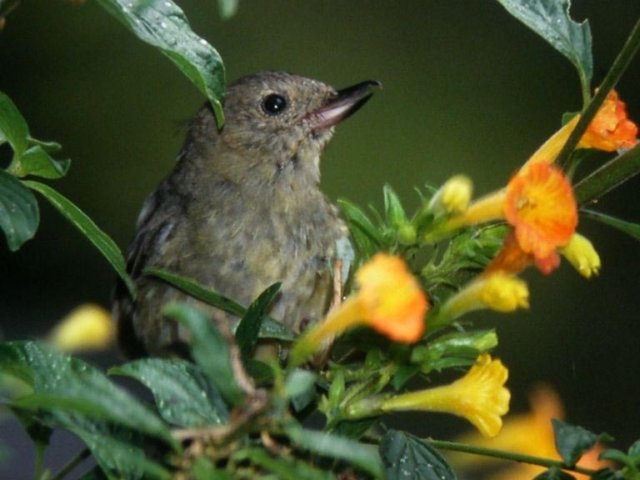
point(274, 104)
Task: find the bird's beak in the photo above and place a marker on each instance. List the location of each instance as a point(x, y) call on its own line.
point(341, 105)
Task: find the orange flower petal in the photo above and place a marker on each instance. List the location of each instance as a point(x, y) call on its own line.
point(391, 299)
point(512, 259)
point(610, 129)
point(542, 209)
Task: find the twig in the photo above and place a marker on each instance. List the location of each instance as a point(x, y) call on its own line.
point(506, 455)
point(84, 454)
point(254, 405)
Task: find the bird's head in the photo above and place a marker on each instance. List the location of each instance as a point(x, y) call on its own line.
point(277, 124)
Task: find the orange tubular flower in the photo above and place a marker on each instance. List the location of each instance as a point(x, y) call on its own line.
point(390, 300)
point(513, 259)
point(540, 205)
point(610, 130)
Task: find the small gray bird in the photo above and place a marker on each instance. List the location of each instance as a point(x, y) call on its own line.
point(242, 210)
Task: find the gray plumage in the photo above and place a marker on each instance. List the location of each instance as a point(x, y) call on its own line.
point(242, 210)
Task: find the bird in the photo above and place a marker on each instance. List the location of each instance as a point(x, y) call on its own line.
point(241, 210)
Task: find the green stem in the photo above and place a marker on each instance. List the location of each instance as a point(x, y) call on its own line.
point(39, 468)
point(72, 464)
point(584, 86)
point(506, 455)
point(620, 64)
point(608, 176)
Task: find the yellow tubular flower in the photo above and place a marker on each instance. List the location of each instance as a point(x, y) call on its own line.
point(453, 197)
point(582, 255)
point(389, 300)
point(88, 327)
point(480, 397)
point(485, 209)
point(496, 291)
point(528, 433)
point(550, 150)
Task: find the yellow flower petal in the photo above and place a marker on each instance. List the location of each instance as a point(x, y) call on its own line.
point(480, 397)
point(582, 255)
point(550, 150)
point(88, 327)
point(453, 197)
point(496, 291)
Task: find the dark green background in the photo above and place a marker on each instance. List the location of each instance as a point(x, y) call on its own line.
point(466, 89)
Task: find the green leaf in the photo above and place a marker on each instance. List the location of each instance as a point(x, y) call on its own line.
point(118, 452)
point(105, 245)
point(39, 433)
point(609, 176)
point(36, 161)
point(631, 229)
point(366, 236)
point(457, 349)
point(554, 474)
point(209, 349)
point(407, 457)
point(204, 469)
point(393, 210)
point(162, 24)
point(96, 473)
point(300, 388)
point(357, 454)
point(248, 330)
point(607, 474)
point(261, 372)
point(284, 468)
point(354, 428)
point(228, 8)
point(183, 394)
point(268, 329)
point(572, 441)
point(198, 291)
point(30, 155)
point(634, 449)
point(19, 214)
point(403, 374)
point(13, 126)
point(615, 455)
point(49, 147)
point(551, 20)
point(271, 328)
point(64, 384)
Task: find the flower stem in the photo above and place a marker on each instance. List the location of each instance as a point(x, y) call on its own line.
point(72, 464)
point(608, 176)
point(39, 467)
point(620, 64)
point(506, 455)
